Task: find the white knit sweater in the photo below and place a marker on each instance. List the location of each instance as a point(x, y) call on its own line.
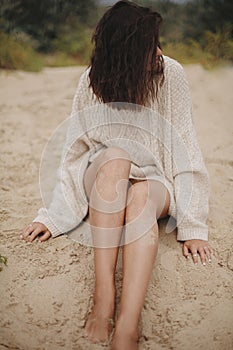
point(169, 149)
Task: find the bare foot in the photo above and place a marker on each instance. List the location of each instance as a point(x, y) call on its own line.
point(100, 322)
point(124, 341)
point(125, 338)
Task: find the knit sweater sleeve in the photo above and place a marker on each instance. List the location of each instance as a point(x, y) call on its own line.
point(64, 212)
point(191, 179)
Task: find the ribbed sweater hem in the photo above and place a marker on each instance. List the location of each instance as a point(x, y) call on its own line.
point(192, 233)
point(50, 226)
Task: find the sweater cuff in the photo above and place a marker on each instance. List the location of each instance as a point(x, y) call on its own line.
point(43, 218)
point(185, 234)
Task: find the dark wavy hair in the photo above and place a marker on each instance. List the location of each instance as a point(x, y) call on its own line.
point(123, 65)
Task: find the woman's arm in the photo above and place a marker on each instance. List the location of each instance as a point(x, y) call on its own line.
point(67, 207)
point(191, 179)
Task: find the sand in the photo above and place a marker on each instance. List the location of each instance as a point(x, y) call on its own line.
point(46, 289)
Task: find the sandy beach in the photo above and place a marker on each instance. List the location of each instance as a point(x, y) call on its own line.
point(46, 288)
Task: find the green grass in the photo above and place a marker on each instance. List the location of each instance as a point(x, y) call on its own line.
point(213, 49)
point(16, 54)
point(72, 49)
point(190, 53)
point(58, 59)
point(3, 260)
point(61, 59)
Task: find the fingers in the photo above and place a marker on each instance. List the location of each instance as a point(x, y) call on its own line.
point(209, 252)
point(34, 234)
point(30, 232)
point(27, 231)
point(185, 252)
point(45, 236)
point(198, 247)
point(202, 256)
point(194, 255)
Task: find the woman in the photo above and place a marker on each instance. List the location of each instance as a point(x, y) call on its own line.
point(127, 66)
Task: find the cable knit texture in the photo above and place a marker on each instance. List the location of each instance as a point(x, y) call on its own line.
point(178, 160)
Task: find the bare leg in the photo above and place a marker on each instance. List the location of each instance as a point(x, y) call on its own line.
point(106, 214)
point(138, 260)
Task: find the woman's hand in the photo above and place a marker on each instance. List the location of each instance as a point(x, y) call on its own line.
point(30, 232)
point(198, 246)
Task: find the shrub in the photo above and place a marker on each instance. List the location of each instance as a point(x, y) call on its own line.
point(15, 53)
point(207, 53)
point(3, 260)
point(75, 44)
point(220, 43)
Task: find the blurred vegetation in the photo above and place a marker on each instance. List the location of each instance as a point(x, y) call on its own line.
point(3, 260)
point(58, 33)
point(197, 31)
point(212, 50)
point(17, 53)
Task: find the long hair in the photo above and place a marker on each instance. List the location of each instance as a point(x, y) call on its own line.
point(124, 66)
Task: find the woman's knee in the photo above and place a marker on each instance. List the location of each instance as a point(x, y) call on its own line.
point(138, 192)
point(114, 162)
point(110, 171)
point(140, 216)
point(116, 154)
point(138, 197)
point(151, 196)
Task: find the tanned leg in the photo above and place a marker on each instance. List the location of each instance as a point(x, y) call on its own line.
point(138, 258)
point(110, 174)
